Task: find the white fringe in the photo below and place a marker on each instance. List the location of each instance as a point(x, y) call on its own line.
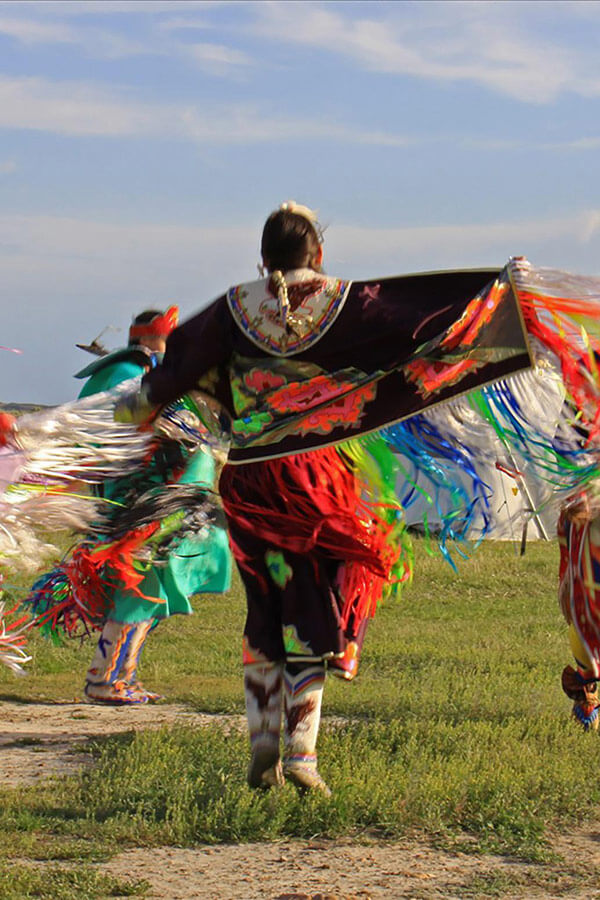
point(10, 655)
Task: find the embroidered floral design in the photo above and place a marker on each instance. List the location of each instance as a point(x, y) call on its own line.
point(258, 381)
point(344, 403)
point(292, 643)
point(299, 396)
point(479, 313)
point(253, 424)
point(462, 349)
point(279, 570)
point(346, 411)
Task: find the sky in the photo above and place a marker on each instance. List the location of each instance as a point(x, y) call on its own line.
point(143, 144)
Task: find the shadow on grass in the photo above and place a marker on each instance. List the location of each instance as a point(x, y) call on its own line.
point(25, 741)
point(18, 698)
point(35, 701)
point(101, 744)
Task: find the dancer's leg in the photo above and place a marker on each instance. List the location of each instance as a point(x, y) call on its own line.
point(103, 684)
point(303, 687)
point(262, 688)
point(129, 667)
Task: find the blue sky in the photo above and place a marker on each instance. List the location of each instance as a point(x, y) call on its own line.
point(142, 145)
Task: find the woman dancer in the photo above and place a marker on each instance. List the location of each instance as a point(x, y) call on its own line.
point(303, 362)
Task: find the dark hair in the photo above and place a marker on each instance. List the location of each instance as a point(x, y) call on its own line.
point(289, 241)
point(142, 319)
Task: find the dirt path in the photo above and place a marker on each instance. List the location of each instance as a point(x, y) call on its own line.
point(338, 871)
point(299, 870)
point(40, 739)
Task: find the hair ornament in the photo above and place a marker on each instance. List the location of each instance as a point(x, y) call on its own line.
point(307, 213)
point(279, 283)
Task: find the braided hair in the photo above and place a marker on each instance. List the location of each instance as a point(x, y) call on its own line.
point(291, 239)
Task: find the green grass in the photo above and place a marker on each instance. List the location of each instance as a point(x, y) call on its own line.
point(20, 882)
point(456, 729)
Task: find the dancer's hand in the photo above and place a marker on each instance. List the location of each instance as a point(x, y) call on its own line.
point(521, 263)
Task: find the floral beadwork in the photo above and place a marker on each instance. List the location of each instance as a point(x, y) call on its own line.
point(279, 570)
point(292, 643)
point(343, 403)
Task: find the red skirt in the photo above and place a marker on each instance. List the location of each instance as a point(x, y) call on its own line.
point(315, 555)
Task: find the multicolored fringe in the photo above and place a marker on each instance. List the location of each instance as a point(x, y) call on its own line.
point(333, 500)
point(541, 425)
point(45, 473)
point(80, 441)
point(200, 420)
point(76, 596)
point(29, 515)
point(72, 599)
point(13, 639)
point(48, 486)
point(579, 578)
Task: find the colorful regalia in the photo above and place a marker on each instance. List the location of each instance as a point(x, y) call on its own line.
point(340, 395)
point(194, 564)
point(579, 596)
point(344, 399)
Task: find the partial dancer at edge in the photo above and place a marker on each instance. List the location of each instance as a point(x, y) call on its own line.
point(142, 504)
point(196, 566)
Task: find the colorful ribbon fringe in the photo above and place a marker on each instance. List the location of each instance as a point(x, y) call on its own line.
point(541, 426)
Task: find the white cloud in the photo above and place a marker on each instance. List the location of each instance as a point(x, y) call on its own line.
point(526, 143)
point(95, 41)
point(562, 241)
point(496, 45)
point(80, 109)
point(157, 39)
point(84, 8)
point(587, 143)
point(184, 23)
point(218, 59)
point(506, 47)
point(140, 252)
point(30, 32)
point(70, 108)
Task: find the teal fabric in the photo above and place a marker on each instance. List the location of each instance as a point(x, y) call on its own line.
point(110, 377)
point(196, 565)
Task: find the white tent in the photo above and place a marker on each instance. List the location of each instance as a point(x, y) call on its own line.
point(514, 500)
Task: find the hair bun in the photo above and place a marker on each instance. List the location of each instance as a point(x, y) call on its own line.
point(306, 212)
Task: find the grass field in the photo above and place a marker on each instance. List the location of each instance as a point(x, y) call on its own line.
point(456, 729)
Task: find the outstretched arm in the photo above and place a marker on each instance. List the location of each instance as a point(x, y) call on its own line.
point(195, 347)
point(198, 345)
